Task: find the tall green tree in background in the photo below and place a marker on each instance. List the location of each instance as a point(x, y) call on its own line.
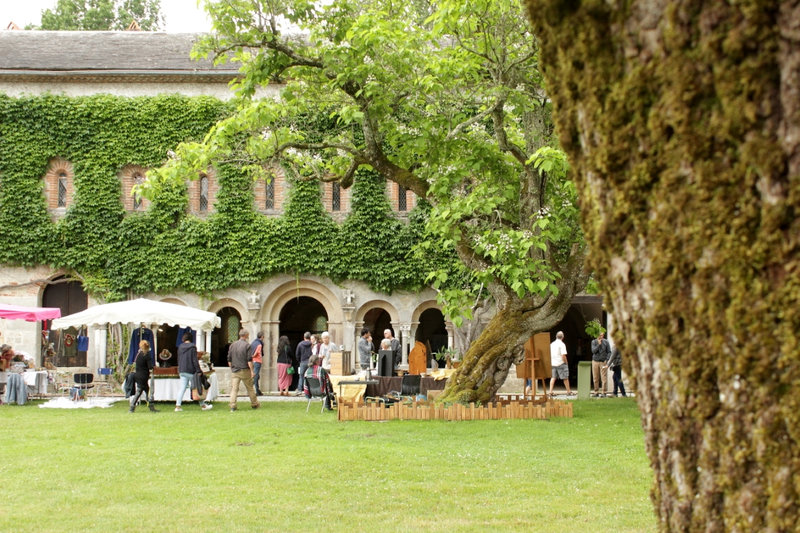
point(446, 103)
point(101, 15)
point(682, 120)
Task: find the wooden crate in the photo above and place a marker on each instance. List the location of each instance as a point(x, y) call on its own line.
point(341, 363)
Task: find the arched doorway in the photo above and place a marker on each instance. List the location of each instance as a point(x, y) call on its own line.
point(70, 297)
point(299, 315)
point(224, 335)
point(377, 320)
point(432, 331)
point(302, 314)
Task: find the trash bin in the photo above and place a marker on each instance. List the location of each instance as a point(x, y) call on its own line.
point(584, 379)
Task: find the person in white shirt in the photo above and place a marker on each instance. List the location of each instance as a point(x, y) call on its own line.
point(325, 349)
point(558, 360)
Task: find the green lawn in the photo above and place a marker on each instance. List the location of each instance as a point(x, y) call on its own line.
point(280, 469)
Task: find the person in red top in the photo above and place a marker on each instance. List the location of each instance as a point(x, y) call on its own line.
point(257, 348)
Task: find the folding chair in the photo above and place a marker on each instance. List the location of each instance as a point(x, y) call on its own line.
point(316, 390)
point(102, 381)
point(80, 382)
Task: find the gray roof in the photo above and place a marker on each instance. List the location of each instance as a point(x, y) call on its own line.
point(115, 54)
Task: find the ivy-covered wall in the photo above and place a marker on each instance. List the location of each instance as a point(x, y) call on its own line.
point(165, 249)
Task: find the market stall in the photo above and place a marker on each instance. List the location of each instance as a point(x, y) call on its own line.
point(142, 313)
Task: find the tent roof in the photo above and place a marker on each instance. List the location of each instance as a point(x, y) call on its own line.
point(141, 311)
point(31, 314)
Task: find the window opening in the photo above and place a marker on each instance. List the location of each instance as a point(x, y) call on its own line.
point(336, 197)
point(204, 193)
point(269, 203)
point(402, 205)
point(62, 190)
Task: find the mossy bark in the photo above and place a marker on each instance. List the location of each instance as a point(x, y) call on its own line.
point(682, 122)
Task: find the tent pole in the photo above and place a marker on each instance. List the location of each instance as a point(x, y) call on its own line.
point(154, 329)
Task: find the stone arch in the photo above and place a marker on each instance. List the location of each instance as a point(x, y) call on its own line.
point(280, 296)
point(373, 304)
point(217, 305)
point(422, 307)
point(174, 300)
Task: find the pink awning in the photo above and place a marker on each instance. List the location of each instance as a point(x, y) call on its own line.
point(31, 314)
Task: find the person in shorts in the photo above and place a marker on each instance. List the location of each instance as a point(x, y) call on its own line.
point(558, 360)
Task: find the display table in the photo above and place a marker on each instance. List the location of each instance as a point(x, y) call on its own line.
point(385, 385)
point(36, 380)
point(350, 388)
point(167, 389)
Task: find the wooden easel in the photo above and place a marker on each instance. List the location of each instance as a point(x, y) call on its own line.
point(536, 364)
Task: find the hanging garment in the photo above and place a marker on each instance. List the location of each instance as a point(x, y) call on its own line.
point(141, 334)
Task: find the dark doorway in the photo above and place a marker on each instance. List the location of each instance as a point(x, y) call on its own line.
point(579, 344)
point(224, 335)
point(432, 332)
point(298, 316)
point(377, 320)
point(70, 297)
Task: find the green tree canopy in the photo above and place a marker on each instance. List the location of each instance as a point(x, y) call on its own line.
point(100, 15)
point(447, 104)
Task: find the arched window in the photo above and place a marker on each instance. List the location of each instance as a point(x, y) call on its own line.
point(58, 185)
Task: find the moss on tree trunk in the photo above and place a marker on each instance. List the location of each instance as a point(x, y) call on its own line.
point(682, 121)
point(486, 363)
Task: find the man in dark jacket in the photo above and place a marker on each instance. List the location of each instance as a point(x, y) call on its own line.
point(188, 366)
point(302, 354)
point(600, 354)
point(240, 359)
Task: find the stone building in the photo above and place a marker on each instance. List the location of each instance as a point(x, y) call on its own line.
point(133, 64)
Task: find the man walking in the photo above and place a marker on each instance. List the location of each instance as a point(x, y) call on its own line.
point(188, 366)
point(302, 354)
point(558, 360)
point(601, 351)
point(240, 359)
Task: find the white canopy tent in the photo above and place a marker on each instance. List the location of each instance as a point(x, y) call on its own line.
point(142, 312)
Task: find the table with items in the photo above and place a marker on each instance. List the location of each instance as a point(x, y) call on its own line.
point(168, 388)
point(36, 380)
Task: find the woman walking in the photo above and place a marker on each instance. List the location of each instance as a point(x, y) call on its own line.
point(285, 362)
point(141, 376)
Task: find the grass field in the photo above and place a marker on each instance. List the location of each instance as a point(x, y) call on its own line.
point(280, 469)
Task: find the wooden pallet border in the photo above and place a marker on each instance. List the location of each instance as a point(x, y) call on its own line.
point(503, 409)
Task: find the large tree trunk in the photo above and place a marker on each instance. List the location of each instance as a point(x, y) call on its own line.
point(486, 363)
point(682, 121)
